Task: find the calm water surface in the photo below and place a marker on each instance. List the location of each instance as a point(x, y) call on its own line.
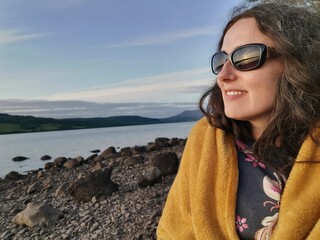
point(75, 143)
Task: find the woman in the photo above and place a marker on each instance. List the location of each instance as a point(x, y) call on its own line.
point(251, 168)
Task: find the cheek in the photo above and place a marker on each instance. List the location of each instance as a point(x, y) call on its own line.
point(266, 90)
point(218, 83)
point(265, 94)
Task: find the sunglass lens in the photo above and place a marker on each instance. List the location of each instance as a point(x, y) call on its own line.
point(218, 61)
point(246, 58)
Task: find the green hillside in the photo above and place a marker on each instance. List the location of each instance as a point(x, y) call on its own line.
point(24, 124)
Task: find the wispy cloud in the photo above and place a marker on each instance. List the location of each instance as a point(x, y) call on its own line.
point(173, 87)
point(13, 36)
point(61, 4)
point(165, 38)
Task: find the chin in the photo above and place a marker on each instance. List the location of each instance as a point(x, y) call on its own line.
point(236, 116)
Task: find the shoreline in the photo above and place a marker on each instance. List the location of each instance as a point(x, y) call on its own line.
point(73, 143)
point(130, 210)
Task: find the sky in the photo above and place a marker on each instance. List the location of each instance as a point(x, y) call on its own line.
point(100, 58)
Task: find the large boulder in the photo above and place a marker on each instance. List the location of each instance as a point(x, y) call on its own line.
point(152, 146)
point(13, 175)
point(177, 142)
point(126, 151)
point(98, 158)
point(98, 166)
point(162, 142)
point(95, 184)
point(138, 150)
point(37, 213)
point(158, 144)
point(49, 165)
point(109, 152)
point(131, 161)
point(150, 176)
point(60, 161)
point(90, 158)
point(80, 159)
point(71, 163)
point(167, 162)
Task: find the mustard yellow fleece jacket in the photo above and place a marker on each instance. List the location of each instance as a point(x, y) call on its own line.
point(202, 201)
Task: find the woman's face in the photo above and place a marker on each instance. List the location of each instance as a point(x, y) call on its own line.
point(250, 95)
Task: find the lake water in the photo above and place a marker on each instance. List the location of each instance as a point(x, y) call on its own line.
point(75, 143)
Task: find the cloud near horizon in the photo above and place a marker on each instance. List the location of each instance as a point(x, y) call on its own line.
point(84, 109)
point(154, 96)
point(172, 87)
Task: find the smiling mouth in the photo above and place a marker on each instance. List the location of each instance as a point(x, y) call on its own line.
point(234, 93)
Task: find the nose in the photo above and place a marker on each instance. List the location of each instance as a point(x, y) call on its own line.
point(227, 72)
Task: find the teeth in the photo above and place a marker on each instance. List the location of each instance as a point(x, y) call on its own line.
point(233, 93)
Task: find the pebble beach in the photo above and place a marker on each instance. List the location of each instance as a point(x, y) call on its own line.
point(128, 204)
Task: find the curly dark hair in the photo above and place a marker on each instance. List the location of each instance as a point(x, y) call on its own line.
point(295, 31)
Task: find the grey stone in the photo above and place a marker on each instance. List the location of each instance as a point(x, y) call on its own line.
point(109, 152)
point(59, 161)
point(151, 176)
point(37, 213)
point(167, 162)
point(95, 184)
point(71, 163)
point(13, 175)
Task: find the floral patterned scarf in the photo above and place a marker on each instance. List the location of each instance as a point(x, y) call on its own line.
point(258, 197)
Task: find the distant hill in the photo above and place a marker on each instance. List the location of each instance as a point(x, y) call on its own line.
point(24, 124)
point(186, 116)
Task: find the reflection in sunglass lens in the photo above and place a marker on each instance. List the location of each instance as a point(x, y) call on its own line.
point(218, 61)
point(246, 58)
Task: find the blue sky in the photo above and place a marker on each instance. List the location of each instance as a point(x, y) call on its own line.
point(81, 58)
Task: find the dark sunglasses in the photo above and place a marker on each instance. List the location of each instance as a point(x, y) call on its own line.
point(244, 58)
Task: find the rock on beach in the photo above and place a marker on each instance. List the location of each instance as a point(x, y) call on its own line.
point(117, 194)
point(19, 158)
point(45, 157)
point(37, 213)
